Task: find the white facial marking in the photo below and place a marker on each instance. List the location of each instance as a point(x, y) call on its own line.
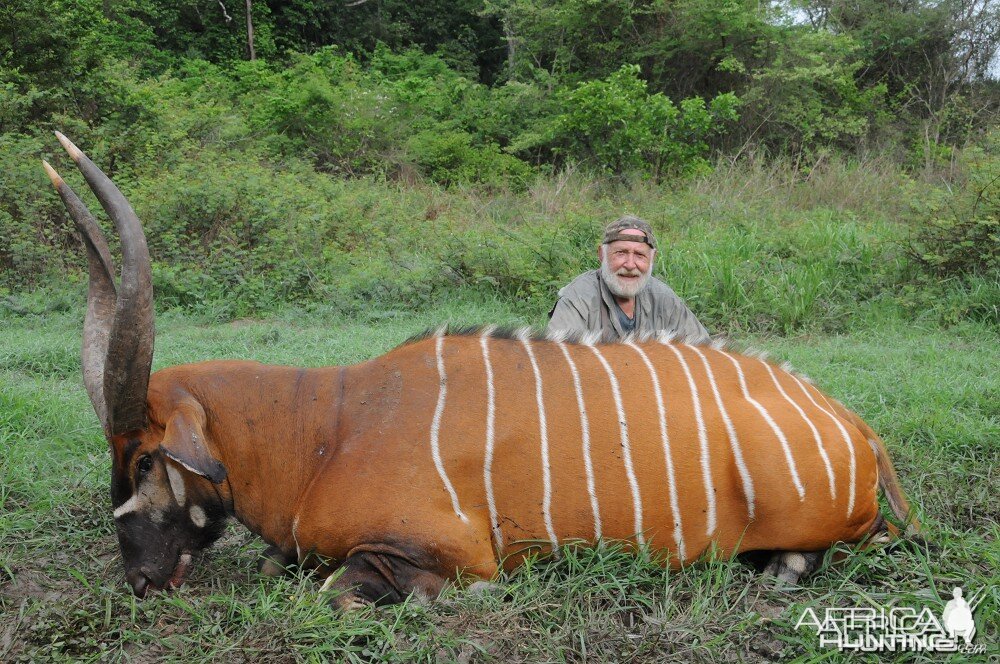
point(177, 484)
point(188, 466)
point(197, 516)
point(129, 505)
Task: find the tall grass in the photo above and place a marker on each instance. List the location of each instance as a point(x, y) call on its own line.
point(753, 245)
point(932, 393)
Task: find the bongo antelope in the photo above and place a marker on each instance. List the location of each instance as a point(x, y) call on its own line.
point(462, 451)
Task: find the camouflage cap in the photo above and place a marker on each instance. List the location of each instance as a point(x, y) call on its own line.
point(613, 231)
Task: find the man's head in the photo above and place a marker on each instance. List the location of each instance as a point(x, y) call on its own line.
point(626, 255)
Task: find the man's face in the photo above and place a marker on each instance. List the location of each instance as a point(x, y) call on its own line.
point(627, 266)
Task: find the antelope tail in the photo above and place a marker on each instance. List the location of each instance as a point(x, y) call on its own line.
point(889, 482)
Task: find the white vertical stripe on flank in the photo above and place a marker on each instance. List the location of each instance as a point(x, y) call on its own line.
point(734, 442)
point(490, 434)
point(585, 437)
point(815, 431)
point(706, 461)
point(774, 426)
point(847, 441)
point(295, 536)
point(436, 427)
point(665, 441)
point(626, 446)
point(543, 432)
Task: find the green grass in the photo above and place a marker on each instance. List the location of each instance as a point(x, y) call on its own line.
point(934, 395)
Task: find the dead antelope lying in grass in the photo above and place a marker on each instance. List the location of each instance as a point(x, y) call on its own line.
point(461, 452)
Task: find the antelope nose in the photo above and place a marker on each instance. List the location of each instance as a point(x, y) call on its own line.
point(139, 583)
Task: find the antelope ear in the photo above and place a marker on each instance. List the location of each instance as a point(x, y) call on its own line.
point(184, 441)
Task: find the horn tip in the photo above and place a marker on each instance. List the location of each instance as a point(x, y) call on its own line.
point(51, 172)
point(73, 151)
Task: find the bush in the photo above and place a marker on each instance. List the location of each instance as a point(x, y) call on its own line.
point(617, 125)
point(957, 233)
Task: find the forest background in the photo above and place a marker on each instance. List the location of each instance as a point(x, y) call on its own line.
point(802, 159)
point(823, 176)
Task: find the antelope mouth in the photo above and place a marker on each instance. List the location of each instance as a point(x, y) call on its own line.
point(180, 572)
point(142, 584)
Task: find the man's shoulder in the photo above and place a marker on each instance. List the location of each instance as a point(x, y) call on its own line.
point(658, 289)
point(585, 285)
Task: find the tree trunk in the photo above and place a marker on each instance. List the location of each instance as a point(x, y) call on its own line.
point(253, 54)
point(509, 37)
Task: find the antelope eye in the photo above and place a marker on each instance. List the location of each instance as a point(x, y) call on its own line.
point(145, 464)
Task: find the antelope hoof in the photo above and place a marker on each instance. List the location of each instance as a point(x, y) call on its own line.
point(274, 562)
point(349, 602)
point(788, 567)
point(480, 588)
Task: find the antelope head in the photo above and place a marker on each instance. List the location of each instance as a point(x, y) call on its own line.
point(165, 485)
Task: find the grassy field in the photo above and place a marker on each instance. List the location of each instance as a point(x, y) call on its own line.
point(933, 394)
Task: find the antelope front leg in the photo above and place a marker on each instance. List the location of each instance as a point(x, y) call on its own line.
point(381, 574)
point(790, 566)
point(275, 562)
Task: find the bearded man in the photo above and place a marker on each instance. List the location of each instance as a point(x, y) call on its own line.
point(623, 296)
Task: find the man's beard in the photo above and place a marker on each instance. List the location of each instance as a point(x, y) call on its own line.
point(618, 286)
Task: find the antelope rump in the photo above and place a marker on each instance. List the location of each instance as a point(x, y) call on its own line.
point(461, 452)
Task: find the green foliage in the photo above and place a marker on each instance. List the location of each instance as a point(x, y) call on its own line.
point(957, 233)
point(449, 157)
point(323, 108)
point(423, 152)
point(618, 125)
point(808, 95)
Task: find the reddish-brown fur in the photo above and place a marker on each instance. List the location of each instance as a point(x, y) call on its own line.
point(337, 461)
point(388, 467)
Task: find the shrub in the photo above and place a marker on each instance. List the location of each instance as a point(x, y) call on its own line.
point(617, 125)
point(449, 157)
point(957, 233)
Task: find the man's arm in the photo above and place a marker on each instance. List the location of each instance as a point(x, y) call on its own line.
point(565, 316)
point(674, 316)
point(689, 326)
